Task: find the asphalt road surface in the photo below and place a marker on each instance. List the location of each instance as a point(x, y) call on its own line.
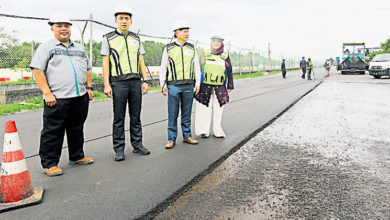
point(328, 157)
point(142, 186)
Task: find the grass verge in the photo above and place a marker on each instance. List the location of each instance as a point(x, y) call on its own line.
point(34, 104)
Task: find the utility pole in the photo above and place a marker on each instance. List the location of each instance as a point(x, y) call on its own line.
point(253, 59)
point(269, 56)
point(32, 49)
point(82, 32)
point(274, 62)
point(239, 61)
point(90, 39)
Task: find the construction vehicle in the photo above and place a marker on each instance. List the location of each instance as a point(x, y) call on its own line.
point(353, 59)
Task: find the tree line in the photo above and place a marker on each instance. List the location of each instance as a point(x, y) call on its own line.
point(385, 48)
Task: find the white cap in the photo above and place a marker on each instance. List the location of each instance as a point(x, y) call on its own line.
point(59, 18)
point(179, 24)
point(123, 9)
point(217, 36)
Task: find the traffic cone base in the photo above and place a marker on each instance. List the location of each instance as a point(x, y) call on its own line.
point(16, 189)
point(35, 199)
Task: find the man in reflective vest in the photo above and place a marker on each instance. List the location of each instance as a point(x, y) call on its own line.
point(123, 63)
point(309, 68)
point(180, 71)
point(327, 66)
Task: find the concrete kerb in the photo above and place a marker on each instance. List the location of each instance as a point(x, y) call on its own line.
point(170, 200)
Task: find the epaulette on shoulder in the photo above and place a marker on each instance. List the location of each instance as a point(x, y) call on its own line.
point(170, 46)
point(110, 35)
point(190, 45)
point(134, 35)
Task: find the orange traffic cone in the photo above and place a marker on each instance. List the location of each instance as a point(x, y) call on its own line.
point(16, 189)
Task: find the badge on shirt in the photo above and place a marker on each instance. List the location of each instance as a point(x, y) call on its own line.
point(187, 53)
point(58, 52)
point(133, 43)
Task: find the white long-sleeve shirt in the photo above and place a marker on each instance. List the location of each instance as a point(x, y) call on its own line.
point(164, 62)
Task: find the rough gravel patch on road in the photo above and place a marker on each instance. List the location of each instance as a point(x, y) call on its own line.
point(328, 157)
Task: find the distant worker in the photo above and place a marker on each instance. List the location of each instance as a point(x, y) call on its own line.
point(327, 66)
point(283, 67)
point(309, 68)
point(303, 65)
point(367, 52)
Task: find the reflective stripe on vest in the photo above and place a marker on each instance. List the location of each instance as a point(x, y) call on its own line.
point(180, 62)
point(124, 53)
point(214, 68)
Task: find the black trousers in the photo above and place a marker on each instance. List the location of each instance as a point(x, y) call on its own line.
point(126, 92)
point(284, 73)
point(309, 74)
point(67, 115)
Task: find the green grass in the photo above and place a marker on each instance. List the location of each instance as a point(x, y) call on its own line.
point(30, 104)
point(20, 81)
point(35, 103)
point(258, 74)
point(99, 95)
point(249, 75)
point(254, 75)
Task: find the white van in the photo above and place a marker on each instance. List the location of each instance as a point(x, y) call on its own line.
point(380, 66)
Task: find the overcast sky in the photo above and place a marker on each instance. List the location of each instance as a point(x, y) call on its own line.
point(315, 28)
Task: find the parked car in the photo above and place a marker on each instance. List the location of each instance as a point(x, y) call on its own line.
point(380, 66)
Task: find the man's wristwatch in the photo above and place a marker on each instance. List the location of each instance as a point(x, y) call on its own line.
point(90, 87)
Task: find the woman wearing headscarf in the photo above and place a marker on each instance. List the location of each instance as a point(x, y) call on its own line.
point(216, 82)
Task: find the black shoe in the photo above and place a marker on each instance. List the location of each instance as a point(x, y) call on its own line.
point(218, 136)
point(120, 155)
point(141, 150)
point(303, 77)
point(204, 136)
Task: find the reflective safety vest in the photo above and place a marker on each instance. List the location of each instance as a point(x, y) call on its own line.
point(328, 64)
point(124, 55)
point(181, 64)
point(214, 68)
point(309, 65)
